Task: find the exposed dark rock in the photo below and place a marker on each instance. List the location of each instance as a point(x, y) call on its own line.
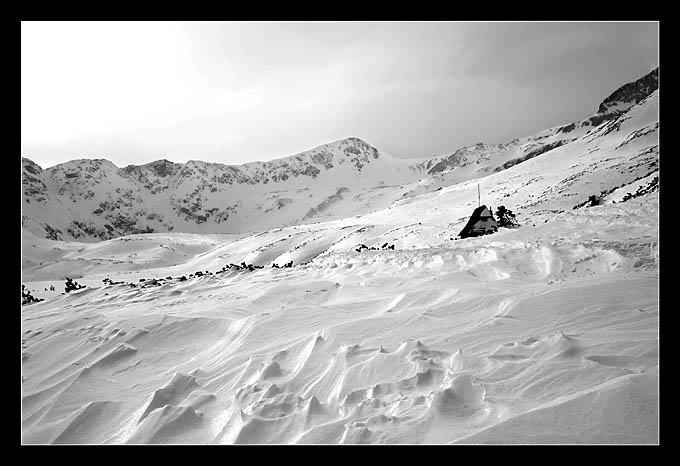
point(72, 286)
point(632, 93)
point(27, 298)
point(567, 128)
point(530, 155)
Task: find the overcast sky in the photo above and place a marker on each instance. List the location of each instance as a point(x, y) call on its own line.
point(239, 92)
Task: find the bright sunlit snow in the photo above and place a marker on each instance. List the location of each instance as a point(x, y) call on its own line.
point(547, 333)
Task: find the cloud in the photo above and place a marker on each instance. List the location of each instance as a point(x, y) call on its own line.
point(229, 91)
point(86, 78)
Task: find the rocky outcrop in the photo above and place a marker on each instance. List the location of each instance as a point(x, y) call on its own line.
point(624, 97)
point(631, 93)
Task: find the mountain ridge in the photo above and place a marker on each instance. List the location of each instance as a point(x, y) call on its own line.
point(93, 199)
point(139, 198)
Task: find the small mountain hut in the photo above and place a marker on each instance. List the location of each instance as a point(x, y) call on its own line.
point(481, 223)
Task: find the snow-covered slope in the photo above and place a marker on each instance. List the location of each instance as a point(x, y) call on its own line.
point(619, 156)
point(482, 158)
point(91, 200)
point(544, 334)
point(547, 333)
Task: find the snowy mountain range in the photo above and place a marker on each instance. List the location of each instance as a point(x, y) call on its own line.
point(547, 333)
point(92, 199)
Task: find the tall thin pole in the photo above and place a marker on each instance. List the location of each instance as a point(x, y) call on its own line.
point(479, 201)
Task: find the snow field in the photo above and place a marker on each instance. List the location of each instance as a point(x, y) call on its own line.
point(456, 343)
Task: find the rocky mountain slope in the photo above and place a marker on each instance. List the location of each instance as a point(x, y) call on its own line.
point(92, 199)
point(518, 150)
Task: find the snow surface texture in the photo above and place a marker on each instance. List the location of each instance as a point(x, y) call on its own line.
point(543, 334)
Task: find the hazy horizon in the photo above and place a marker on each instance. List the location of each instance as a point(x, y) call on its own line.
point(240, 92)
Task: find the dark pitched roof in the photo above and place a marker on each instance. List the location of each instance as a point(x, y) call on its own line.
point(480, 214)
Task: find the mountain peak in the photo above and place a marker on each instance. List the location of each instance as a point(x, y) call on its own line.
point(631, 93)
point(350, 141)
point(355, 140)
point(163, 167)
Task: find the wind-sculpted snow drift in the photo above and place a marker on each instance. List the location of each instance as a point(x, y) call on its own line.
point(544, 335)
point(547, 333)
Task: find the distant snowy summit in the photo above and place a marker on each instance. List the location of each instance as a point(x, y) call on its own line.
point(93, 199)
